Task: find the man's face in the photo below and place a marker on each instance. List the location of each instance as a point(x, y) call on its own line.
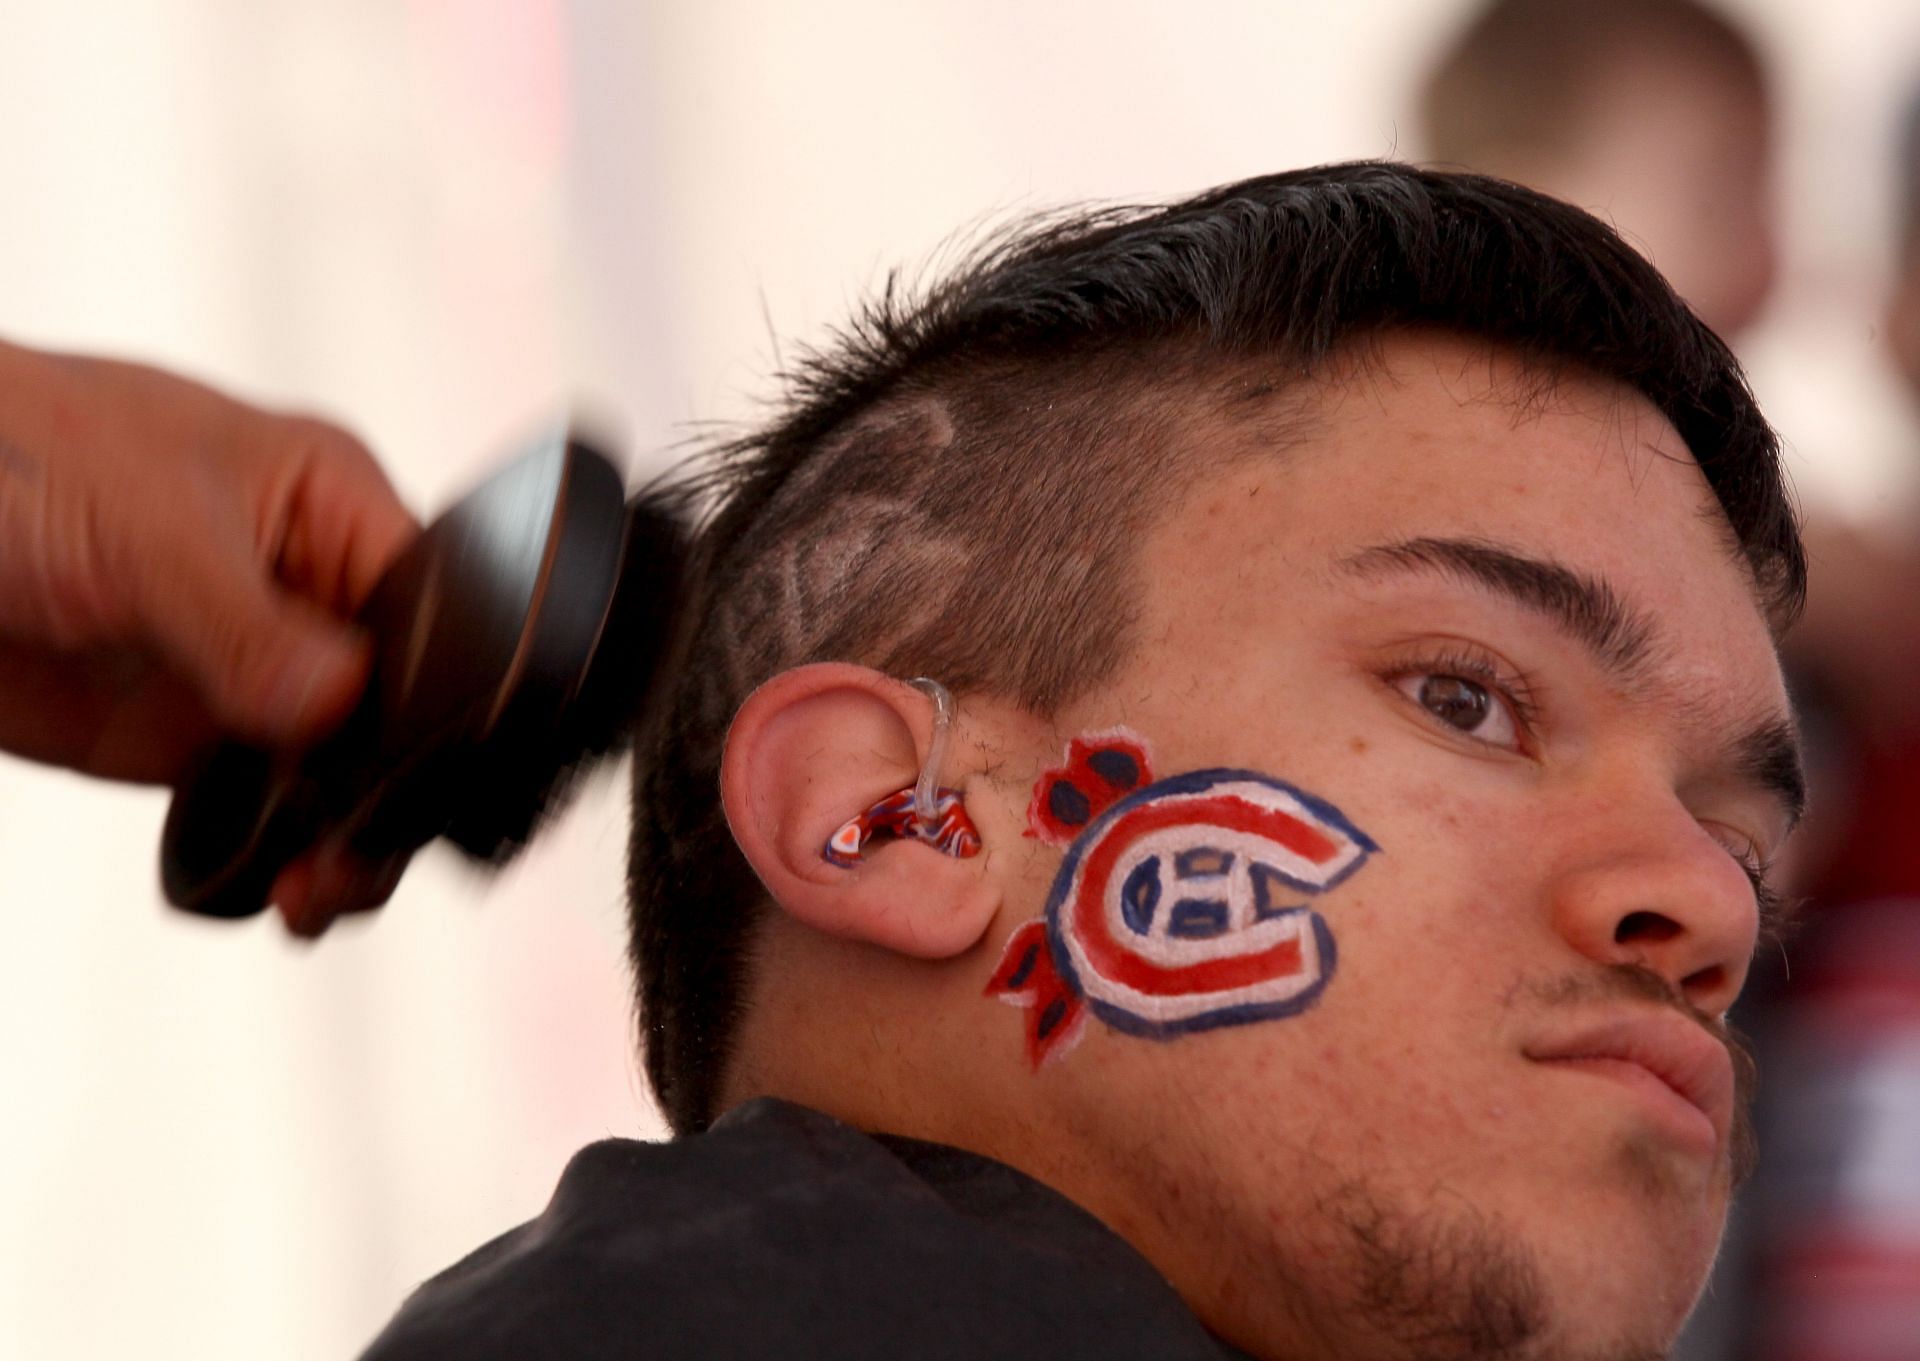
point(1508, 641)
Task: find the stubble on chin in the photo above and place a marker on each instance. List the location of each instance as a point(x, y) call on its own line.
point(1445, 1283)
point(1438, 1288)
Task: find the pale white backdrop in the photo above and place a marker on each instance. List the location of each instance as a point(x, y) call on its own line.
point(436, 220)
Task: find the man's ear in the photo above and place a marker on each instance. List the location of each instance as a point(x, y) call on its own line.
point(816, 746)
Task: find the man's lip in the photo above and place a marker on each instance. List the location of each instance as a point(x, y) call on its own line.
point(1677, 1051)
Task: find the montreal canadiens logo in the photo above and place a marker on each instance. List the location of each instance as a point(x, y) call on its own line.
point(1183, 907)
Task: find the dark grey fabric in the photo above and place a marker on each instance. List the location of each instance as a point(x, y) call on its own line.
point(784, 1233)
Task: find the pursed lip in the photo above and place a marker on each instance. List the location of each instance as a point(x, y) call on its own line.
point(1676, 1050)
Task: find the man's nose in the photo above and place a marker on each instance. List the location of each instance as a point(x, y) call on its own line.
point(1655, 889)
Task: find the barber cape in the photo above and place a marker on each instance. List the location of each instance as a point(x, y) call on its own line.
point(784, 1233)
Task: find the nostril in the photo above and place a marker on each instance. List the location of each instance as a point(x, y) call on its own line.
point(1706, 982)
point(1645, 928)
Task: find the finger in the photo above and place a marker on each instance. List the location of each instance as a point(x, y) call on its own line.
point(338, 524)
point(330, 882)
point(269, 667)
point(282, 669)
point(292, 897)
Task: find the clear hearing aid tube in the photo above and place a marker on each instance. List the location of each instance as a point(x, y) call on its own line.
point(926, 788)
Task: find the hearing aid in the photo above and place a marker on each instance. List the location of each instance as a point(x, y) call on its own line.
point(923, 811)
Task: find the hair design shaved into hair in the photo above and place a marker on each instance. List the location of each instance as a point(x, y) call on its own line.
point(956, 486)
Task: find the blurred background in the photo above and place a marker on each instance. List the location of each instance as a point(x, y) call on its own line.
point(437, 220)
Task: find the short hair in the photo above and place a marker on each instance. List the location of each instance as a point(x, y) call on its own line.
point(1522, 76)
point(957, 484)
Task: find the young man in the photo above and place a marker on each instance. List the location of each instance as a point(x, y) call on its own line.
point(1299, 921)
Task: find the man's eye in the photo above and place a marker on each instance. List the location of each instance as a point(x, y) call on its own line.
point(1465, 705)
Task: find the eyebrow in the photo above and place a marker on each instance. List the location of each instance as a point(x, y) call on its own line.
point(1584, 608)
point(1591, 612)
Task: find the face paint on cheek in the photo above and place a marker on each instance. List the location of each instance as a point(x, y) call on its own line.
point(1101, 768)
point(1182, 907)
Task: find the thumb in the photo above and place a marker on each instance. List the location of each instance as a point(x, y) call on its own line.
point(268, 666)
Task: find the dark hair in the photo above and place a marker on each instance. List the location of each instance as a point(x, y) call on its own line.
point(955, 484)
point(1522, 75)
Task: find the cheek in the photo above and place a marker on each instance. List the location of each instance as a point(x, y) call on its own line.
point(1457, 878)
point(1431, 936)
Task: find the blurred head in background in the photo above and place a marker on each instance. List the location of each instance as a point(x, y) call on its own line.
point(1654, 114)
point(1903, 307)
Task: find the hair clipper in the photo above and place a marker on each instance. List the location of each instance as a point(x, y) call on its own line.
point(512, 641)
